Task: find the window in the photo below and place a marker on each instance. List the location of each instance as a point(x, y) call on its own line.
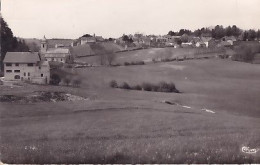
point(39, 67)
point(9, 71)
point(16, 64)
point(28, 73)
point(17, 71)
point(61, 59)
point(24, 74)
point(30, 64)
point(41, 75)
point(16, 77)
point(8, 64)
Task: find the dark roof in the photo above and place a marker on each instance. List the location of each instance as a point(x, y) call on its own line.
point(21, 57)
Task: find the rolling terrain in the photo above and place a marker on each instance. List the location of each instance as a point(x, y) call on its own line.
point(214, 116)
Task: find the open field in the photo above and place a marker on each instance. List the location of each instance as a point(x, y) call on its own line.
point(126, 126)
point(147, 55)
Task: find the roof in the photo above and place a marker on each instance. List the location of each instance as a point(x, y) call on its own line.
point(206, 39)
point(88, 38)
point(21, 57)
point(57, 51)
point(53, 42)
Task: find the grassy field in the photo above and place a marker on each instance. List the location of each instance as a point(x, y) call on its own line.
point(147, 55)
point(126, 126)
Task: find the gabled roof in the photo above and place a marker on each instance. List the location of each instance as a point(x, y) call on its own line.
point(57, 51)
point(88, 38)
point(21, 57)
point(53, 42)
point(206, 39)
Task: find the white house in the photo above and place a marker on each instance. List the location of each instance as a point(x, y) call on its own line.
point(26, 66)
point(58, 54)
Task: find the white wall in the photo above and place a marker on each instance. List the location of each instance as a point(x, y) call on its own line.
point(27, 72)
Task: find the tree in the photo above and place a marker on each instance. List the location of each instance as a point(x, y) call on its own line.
point(55, 79)
point(67, 80)
point(87, 35)
point(125, 38)
point(76, 82)
point(110, 57)
point(258, 34)
point(9, 42)
point(229, 31)
point(251, 35)
point(171, 33)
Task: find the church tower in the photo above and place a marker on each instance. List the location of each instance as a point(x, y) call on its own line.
point(44, 45)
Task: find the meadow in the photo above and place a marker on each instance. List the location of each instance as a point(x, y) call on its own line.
point(128, 126)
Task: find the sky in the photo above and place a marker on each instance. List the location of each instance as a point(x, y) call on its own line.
point(113, 18)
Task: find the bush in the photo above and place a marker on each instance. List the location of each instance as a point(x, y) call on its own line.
point(55, 79)
point(76, 82)
point(125, 86)
point(147, 86)
point(67, 80)
point(126, 63)
point(113, 84)
point(137, 87)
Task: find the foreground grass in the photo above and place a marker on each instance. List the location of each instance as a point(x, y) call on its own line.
point(129, 136)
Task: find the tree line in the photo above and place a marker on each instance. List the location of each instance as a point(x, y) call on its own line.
point(9, 43)
point(219, 32)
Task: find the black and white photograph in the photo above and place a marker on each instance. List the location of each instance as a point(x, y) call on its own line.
point(130, 82)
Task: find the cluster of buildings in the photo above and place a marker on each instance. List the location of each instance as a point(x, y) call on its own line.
point(35, 66)
point(184, 41)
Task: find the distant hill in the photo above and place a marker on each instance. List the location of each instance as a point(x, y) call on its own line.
point(34, 44)
point(95, 49)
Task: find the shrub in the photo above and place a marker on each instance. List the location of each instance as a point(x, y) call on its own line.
point(137, 87)
point(67, 80)
point(165, 87)
point(126, 63)
point(139, 63)
point(76, 82)
point(55, 79)
point(113, 84)
point(147, 86)
point(125, 86)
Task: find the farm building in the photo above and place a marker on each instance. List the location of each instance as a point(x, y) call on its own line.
point(59, 52)
point(28, 66)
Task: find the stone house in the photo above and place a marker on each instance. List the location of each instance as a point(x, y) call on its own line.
point(57, 53)
point(26, 66)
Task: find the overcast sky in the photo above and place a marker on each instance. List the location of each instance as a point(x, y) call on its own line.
point(112, 18)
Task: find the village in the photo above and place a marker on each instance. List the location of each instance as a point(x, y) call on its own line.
point(129, 82)
point(35, 67)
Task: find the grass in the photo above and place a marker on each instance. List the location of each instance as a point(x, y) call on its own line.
point(131, 126)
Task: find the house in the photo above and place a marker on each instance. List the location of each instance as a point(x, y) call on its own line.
point(187, 45)
point(224, 44)
point(28, 66)
point(59, 43)
point(57, 53)
point(99, 39)
point(230, 39)
point(207, 41)
point(200, 44)
point(85, 40)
